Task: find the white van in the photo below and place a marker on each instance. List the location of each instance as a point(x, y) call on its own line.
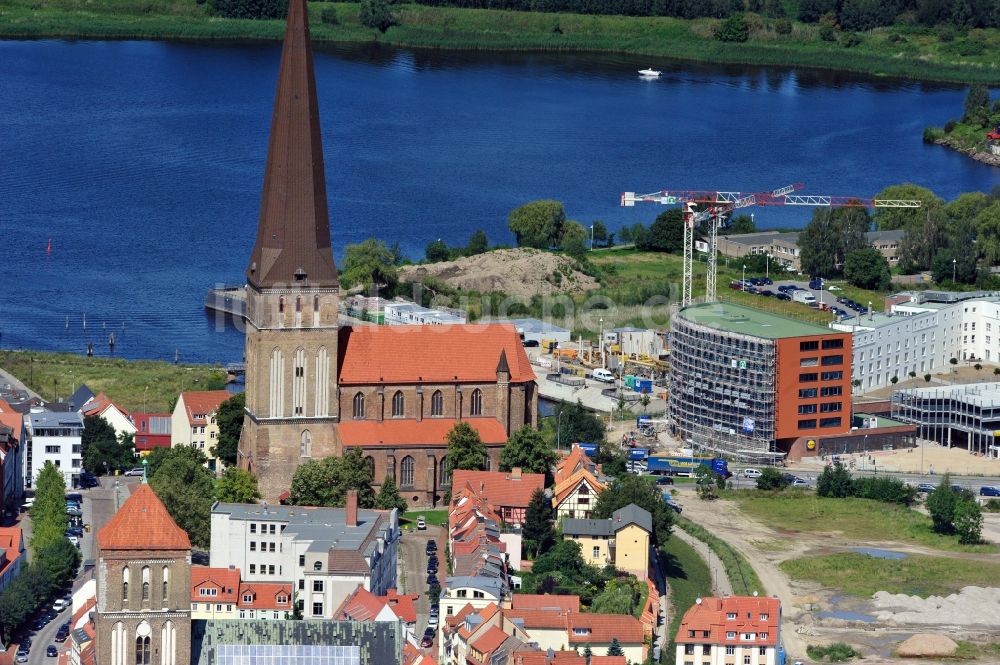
point(751, 473)
point(804, 297)
point(604, 376)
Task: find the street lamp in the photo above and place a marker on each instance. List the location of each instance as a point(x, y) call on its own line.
point(591, 237)
point(601, 344)
point(743, 285)
point(954, 265)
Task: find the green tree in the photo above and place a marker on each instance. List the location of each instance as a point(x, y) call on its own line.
point(829, 237)
point(59, 559)
point(666, 234)
point(941, 504)
point(576, 424)
point(615, 648)
point(866, 268)
point(987, 229)
point(977, 106)
point(325, 482)
point(922, 241)
point(106, 451)
point(48, 512)
point(967, 206)
point(705, 480)
point(237, 486)
point(187, 489)
point(733, 29)
point(600, 234)
point(437, 251)
point(538, 532)
point(465, 448)
point(528, 450)
point(478, 243)
point(96, 432)
point(630, 489)
point(388, 496)
point(574, 239)
point(772, 479)
point(741, 224)
point(537, 224)
point(949, 263)
point(620, 596)
point(377, 14)
point(251, 9)
point(835, 481)
point(968, 522)
point(372, 265)
point(887, 219)
point(229, 417)
point(160, 455)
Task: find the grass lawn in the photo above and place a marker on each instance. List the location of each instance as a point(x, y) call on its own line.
point(862, 575)
point(133, 384)
point(861, 519)
point(893, 51)
point(688, 578)
point(437, 517)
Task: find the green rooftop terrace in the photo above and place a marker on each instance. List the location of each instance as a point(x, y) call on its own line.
point(731, 318)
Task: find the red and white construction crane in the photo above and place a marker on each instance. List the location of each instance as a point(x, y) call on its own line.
point(713, 209)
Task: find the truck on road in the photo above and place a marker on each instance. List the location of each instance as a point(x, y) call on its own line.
point(685, 466)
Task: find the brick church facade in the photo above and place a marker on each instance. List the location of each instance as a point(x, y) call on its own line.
point(315, 388)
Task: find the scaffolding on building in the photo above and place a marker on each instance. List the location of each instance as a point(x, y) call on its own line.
point(965, 415)
point(722, 392)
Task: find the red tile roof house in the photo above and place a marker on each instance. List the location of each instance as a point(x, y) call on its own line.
point(734, 629)
point(509, 492)
point(11, 554)
point(363, 605)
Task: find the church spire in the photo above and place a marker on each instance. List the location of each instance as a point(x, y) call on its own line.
point(293, 234)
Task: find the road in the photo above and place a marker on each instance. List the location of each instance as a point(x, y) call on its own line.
point(413, 573)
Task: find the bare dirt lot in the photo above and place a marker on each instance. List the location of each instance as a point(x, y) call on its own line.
point(516, 272)
point(812, 614)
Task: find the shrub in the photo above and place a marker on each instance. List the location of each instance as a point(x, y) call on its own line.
point(946, 32)
point(733, 29)
point(896, 38)
point(887, 490)
point(941, 504)
point(827, 33)
point(329, 16)
point(783, 26)
point(968, 522)
point(376, 14)
point(837, 652)
point(949, 127)
point(992, 506)
point(772, 479)
point(252, 9)
point(835, 481)
point(850, 39)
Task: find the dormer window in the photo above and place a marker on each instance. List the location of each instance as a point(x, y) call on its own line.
point(248, 598)
point(318, 566)
point(300, 275)
point(763, 617)
point(731, 616)
point(581, 631)
point(282, 600)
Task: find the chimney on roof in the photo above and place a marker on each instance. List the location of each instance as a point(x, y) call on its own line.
point(515, 473)
point(351, 514)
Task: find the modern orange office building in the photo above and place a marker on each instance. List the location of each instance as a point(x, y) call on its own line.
point(749, 384)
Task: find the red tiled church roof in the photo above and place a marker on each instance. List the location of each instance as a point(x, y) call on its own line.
point(416, 354)
point(502, 488)
point(142, 523)
point(427, 432)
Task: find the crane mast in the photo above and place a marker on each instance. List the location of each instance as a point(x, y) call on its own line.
point(713, 208)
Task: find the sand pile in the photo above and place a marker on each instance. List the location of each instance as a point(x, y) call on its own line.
point(926, 645)
point(972, 606)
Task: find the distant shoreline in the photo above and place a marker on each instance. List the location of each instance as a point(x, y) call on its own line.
point(446, 28)
point(978, 155)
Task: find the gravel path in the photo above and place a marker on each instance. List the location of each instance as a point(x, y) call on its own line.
point(720, 581)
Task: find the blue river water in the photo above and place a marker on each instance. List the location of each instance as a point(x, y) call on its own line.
point(142, 162)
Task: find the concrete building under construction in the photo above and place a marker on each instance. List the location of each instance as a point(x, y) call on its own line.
point(753, 386)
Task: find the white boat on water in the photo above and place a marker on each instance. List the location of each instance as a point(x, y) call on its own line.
point(650, 72)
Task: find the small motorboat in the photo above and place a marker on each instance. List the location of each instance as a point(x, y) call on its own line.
point(650, 72)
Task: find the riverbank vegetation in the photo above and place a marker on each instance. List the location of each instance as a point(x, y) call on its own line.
point(968, 134)
point(849, 517)
point(863, 575)
point(136, 385)
point(853, 35)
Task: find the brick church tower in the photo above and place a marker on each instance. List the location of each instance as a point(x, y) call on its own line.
point(292, 286)
point(143, 613)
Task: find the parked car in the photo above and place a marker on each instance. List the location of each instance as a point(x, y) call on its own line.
point(431, 547)
point(603, 375)
point(957, 488)
point(421, 523)
point(664, 480)
point(52, 651)
point(751, 473)
point(88, 480)
point(816, 283)
point(60, 604)
point(766, 280)
point(674, 507)
point(428, 639)
point(74, 497)
point(432, 559)
point(989, 490)
point(750, 288)
point(22, 656)
point(926, 488)
point(767, 293)
point(62, 634)
point(74, 531)
point(432, 569)
point(432, 580)
point(736, 285)
point(783, 296)
point(785, 288)
point(136, 471)
point(800, 482)
point(433, 621)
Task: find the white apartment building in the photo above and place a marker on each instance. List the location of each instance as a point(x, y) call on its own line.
point(325, 553)
point(921, 338)
point(52, 436)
